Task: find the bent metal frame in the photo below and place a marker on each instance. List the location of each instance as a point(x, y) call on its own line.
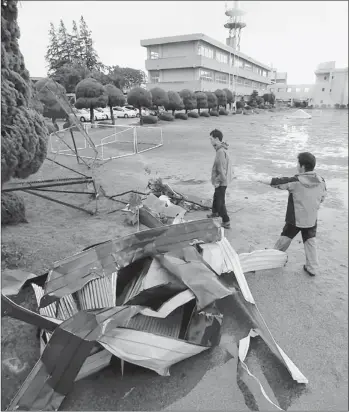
point(32, 187)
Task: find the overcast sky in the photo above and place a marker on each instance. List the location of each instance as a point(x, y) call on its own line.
point(293, 36)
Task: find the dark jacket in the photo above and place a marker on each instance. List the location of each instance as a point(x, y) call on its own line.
point(306, 192)
point(222, 170)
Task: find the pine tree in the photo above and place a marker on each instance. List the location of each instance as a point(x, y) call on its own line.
point(64, 44)
point(52, 55)
point(89, 55)
point(76, 46)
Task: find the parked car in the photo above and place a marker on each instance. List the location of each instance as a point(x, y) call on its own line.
point(123, 112)
point(102, 112)
point(84, 115)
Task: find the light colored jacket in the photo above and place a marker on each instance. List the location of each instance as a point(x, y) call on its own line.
point(306, 192)
point(222, 170)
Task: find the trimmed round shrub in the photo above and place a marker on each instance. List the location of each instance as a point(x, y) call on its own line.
point(247, 107)
point(223, 112)
point(167, 117)
point(214, 113)
point(240, 105)
point(194, 115)
point(337, 106)
point(12, 209)
point(205, 114)
point(342, 106)
point(316, 106)
point(150, 119)
point(239, 111)
point(181, 116)
point(323, 106)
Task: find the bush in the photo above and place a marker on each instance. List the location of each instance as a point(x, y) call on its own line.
point(205, 114)
point(316, 106)
point(189, 99)
point(223, 112)
point(167, 117)
point(261, 106)
point(214, 113)
point(247, 107)
point(181, 116)
point(150, 119)
point(342, 106)
point(239, 111)
point(194, 115)
point(240, 105)
point(246, 112)
point(12, 209)
point(337, 106)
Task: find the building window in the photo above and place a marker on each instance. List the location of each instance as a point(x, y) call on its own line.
point(206, 75)
point(280, 81)
point(264, 73)
point(330, 90)
point(325, 78)
point(289, 90)
point(332, 77)
point(321, 101)
point(154, 53)
point(281, 90)
point(323, 89)
point(221, 78)
point(221, 57)
point(247, 83)
point(155, 77)
point(248, 66)
point(298, 89)
point(239, 80)
point(271, 89)
point(205, 51)
point(264, 87)
point(306, 90)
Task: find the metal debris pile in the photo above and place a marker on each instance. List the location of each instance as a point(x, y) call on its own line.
point(187, 202)
point(152, 298)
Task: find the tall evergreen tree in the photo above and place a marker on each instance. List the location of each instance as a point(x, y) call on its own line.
point(76, 46)
point(64, 44)
point(53, 54)
point(89, 55)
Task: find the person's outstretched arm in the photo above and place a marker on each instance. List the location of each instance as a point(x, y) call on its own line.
point(283, 183)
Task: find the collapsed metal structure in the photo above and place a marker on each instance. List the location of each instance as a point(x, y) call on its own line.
point(152, 298)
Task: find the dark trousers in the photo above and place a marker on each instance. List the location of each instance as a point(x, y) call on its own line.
point(218, 205)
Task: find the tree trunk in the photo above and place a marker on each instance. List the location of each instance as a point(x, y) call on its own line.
point(140, 115)
point(199, 110)
point(112, 115)
point(173, 112)
point(92, 117)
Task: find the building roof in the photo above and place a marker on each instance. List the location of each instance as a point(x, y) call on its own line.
point(203, 37)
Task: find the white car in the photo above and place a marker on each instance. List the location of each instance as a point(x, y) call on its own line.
point(124, 112)
point(102, 112)
point(84, 115)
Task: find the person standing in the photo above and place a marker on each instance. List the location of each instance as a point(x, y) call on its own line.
point(307, 190)
point(222, 174)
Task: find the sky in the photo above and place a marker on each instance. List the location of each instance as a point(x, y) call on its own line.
point(292, 36)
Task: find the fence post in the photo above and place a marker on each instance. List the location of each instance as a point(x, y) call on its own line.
point(135, 140)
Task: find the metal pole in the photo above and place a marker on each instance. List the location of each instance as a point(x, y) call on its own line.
point(47, 185)
point(59, 201)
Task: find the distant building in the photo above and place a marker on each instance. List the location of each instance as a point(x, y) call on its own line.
point(198, 62)
point(331, 85)
point(278, 77)
point(289, 92)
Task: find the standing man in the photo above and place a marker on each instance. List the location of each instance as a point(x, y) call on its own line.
point(222, 174)
point(307, 191)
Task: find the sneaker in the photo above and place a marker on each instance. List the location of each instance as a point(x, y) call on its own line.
point(226, 225)
point(309, 273)
point(212, 215)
